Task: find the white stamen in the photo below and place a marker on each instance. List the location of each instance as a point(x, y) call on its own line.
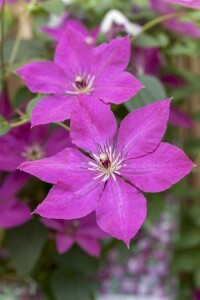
point(106, 163)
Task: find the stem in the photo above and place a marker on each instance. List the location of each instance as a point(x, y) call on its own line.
point(15, 47)
point(63, 125)
point(19, 123)
point(2, 43)
point(158, 20)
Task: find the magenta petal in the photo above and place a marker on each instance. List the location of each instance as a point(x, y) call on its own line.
point(158, 170)
point(117, 87)
point(92, 122)
point(64, 242)
point(89, 244)
point(121, 210)
point(43, 77)
point(61, 203)
point(62, 166)
point(52, 109)
point(142, 130)
point(187, 3)
point(57, 225)
point(57, 141)
point(13, 213)
point(72, 53)
point(13, 183)
point(179, 118)
point(116, 54)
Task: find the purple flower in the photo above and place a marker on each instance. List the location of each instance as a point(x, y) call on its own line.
point(187, 3)
point(175, 24)
point(110, 177)
point(83, 232)
point(79, 69)
point(23, 144)
point(12, 211)
point(56, 33)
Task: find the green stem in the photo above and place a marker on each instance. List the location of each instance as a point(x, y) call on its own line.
point(2, 43)
point(19, 123)
point(63, 125)
point(158, 20)
point(15, 48)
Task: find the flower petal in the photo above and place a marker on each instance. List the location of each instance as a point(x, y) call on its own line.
point(89, 244)
point(92, 123)
point(13, 183)
point(62, 203)
point(62, 166)
point(13, 213)
point(116, 87)
point(52, 109)
point(121, 210)
point(64, 242)
point(43, 77)
point(158, 170)
point(115, 54)
point(57, 141)
point(72, 52)
point(142, 130)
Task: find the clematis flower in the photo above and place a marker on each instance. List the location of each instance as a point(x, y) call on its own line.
point(66, 24)
point(23, 144)
point(79, 69)
point(109, 179)
point(187, 3)
point(83, 232)
point(12, 211)
point(185, 28)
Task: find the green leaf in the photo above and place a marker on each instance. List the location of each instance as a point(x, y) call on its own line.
point(152, 92)
point(53, 7)
point(28, 49)
point(186, 260)
point(71, 285)
point(25, 245)
point(145, 40)
point(32, 104)
point(4, 126)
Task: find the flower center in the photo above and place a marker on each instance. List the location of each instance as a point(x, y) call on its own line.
point(82, 84)
point(106, 163)
point(33, 152)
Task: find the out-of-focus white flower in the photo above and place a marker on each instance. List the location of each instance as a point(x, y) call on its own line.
point(115, 16)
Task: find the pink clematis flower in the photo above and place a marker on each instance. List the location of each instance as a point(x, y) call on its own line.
point(187, 3)
point(83, 232)
point(110, 177)
point(12, 211)
point(79, 69)
point(56, 33)
point(23, 144)
point(175, 24)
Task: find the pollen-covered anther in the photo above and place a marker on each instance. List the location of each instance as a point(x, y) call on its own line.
point(106, 163)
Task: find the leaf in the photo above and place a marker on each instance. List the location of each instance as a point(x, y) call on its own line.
point(4, 126)
point(25, 245)
point(71, 285)
point(32, 104)
point(153, 91)
point(28, 49)
point(53, 7)
point(186, 260)
point(77, 259)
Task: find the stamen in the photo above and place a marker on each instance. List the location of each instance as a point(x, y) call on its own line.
point(106, 162)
